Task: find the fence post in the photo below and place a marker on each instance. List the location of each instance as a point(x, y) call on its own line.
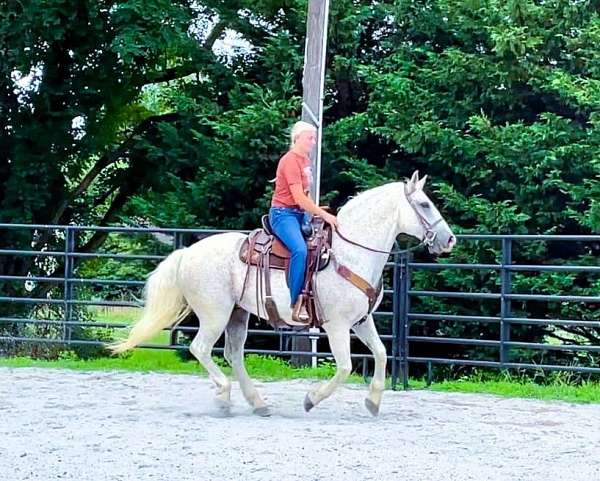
point(400, 320)
point(404, 318)
point(395, 320)
point(177, 244)
point(505, 307)
point(68, 284)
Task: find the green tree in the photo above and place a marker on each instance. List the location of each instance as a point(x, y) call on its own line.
point(497, 101)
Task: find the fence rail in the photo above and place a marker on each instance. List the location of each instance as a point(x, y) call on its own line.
point(401, 269)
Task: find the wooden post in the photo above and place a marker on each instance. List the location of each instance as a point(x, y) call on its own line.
point(313, 85)
point(313, 80)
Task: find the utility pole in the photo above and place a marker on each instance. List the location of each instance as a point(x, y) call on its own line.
point(313, 86)
point(313, 80)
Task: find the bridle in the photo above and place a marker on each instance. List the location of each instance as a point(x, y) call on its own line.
point(427, 240)
point(430, 234)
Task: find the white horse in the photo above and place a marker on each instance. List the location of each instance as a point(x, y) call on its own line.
point(208, 278)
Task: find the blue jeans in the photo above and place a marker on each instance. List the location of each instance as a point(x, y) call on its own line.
point(286, 222)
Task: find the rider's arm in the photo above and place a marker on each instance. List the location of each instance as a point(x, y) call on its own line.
point(309, 206)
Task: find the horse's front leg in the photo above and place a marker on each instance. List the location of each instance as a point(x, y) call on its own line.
point(339, 341)
point(367, 333)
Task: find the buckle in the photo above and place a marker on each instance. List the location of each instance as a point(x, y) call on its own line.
point(429, 238)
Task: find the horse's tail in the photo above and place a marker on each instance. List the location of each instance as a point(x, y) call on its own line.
point(164, 304)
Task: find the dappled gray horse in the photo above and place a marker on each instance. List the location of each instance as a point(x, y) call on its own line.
point(208, 278)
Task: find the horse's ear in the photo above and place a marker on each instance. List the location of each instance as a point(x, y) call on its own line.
point(421, 183)
point(411, 185)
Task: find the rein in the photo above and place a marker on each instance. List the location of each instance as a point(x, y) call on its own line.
point(397, 251)
point(427, 240)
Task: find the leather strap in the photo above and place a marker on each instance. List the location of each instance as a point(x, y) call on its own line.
point(267, 271)
point(358, 282)
point(259, 288)
point(269, 302)
point(251, 242)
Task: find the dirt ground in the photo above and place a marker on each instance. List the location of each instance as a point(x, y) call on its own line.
point(67, 425)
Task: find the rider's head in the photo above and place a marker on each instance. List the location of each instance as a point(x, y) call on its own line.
point(303, 137)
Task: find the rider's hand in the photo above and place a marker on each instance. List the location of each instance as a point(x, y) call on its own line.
point(331, 220)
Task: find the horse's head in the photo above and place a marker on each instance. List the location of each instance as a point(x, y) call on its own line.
point(428, 225)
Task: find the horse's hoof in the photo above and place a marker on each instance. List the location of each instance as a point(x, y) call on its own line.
point(223, 407)
point(262, 411)
point(372, 407)
point(308, 404)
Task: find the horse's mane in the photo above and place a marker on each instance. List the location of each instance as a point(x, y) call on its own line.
point(366, 196)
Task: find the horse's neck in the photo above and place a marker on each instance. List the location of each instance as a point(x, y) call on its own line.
point(373, 222)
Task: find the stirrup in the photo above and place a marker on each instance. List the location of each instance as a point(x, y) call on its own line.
point(300, 315)
point(271, 309)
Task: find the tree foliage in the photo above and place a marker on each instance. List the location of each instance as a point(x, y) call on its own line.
point(175, 112)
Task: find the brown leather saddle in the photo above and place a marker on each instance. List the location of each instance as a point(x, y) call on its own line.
point(265, 251)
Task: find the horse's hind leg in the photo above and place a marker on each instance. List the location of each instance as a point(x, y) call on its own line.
point(367, 333)
point(212, 322)
point(236, 333)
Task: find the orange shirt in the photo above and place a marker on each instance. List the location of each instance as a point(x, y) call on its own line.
point(292, 169)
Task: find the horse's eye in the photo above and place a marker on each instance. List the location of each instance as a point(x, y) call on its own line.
point(425, 205)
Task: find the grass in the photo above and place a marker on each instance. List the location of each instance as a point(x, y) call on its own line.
point(272, 369)
point(265, 368)
point(125, 315)
point(144, 360)
point(586, 392)
point(115, 315)
point(558, 387)
point(166, 360)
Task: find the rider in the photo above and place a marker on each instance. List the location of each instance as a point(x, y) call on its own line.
point(290, 203)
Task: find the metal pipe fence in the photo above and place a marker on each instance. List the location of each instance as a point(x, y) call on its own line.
point(397, 320)
point(506, 320)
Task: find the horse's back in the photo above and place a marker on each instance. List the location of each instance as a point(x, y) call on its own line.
point(210, 261)
point(218, 242)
